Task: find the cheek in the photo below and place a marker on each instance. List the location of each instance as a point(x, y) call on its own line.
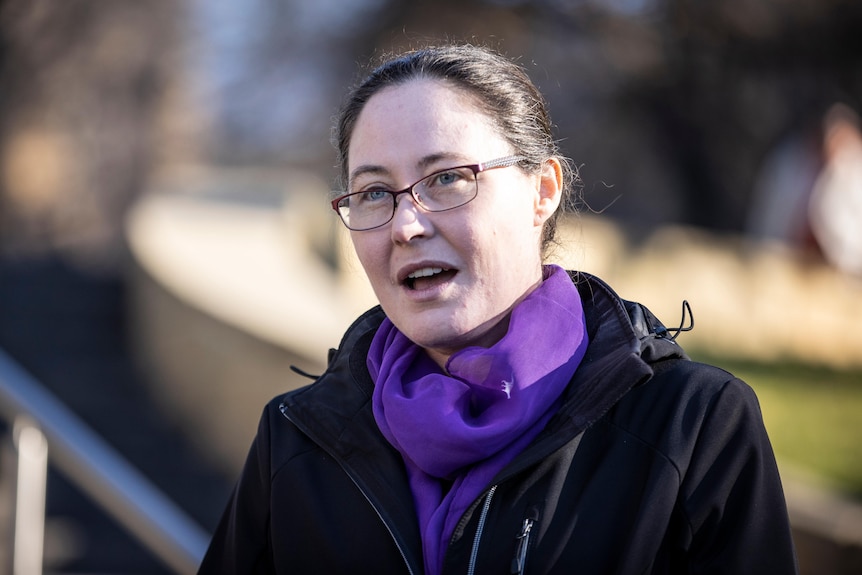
point(495, 248)
point(513, 244)
point(513, 228)
point(371, 254)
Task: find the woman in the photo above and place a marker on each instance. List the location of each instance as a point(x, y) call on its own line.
point(494, 415)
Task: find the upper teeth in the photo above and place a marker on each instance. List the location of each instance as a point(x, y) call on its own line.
point(424, 272)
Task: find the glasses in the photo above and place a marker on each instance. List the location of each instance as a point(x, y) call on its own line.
point(443, 190)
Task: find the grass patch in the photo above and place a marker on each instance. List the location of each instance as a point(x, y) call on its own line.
point(813, 416)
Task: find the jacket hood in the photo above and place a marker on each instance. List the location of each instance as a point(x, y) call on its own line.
point(625, 340)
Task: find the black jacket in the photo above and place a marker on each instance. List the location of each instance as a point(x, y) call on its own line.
point(654, 464)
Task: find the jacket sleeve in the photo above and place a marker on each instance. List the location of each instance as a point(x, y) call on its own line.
point(241, 543)
point(733, 495)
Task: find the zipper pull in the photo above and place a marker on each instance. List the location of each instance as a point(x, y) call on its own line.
point(520, 560)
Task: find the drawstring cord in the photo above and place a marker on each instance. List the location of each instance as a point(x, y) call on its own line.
point(686, 310)
point(662, 331)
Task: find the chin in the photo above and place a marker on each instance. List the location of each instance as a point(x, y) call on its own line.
point(436, 339)
point(444, 328)
point(449, 338)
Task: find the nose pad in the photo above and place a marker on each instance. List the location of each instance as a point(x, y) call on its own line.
point(411, 205)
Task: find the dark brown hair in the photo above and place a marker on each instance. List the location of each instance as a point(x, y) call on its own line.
point(501, 89)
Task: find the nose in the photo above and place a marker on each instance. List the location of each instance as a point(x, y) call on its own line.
point(409, 221)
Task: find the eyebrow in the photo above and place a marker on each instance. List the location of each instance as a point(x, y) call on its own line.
point(423, 163)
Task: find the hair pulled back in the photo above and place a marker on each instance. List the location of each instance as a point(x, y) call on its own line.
point(500, 88)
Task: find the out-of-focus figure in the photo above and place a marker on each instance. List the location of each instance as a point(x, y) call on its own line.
point(835, 209)
point(782, 191)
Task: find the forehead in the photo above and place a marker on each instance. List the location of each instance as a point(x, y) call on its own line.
point(401, 124)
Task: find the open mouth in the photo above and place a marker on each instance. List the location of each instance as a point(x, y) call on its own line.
point(428, 277)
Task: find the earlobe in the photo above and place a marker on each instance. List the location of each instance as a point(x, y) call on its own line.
point(550, 190)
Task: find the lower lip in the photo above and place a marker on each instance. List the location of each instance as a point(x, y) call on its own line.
point(433, 292)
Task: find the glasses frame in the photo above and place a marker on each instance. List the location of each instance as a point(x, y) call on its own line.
point(504, 162)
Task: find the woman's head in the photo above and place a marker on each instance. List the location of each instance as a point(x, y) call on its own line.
point(500, 88)
point(448, 274)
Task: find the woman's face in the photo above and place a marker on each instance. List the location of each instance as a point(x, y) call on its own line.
point(447, 280)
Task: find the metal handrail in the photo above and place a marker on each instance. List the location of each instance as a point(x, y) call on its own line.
point(101, 472)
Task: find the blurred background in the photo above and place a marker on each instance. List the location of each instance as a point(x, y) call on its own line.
point(167, 253)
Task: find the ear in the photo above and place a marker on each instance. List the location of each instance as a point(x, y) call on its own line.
point(549, 192)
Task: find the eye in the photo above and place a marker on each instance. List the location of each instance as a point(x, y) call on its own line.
point(447, 178)
point(369, 196)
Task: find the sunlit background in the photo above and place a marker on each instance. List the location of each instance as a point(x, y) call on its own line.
point(167, 251)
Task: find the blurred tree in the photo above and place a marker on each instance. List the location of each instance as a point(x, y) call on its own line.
point(81, 82)
point(738, 77)
point(669, 106)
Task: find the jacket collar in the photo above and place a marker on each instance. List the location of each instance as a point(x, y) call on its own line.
point(625, 339)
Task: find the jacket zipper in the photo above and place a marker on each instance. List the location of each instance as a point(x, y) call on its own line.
point(471, 568)
point(388, 528)
point(520, 560)
point(283, 409)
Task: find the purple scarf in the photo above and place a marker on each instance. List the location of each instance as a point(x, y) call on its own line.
point(465, 427)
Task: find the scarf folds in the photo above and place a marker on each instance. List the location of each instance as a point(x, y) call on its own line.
point(463, 428)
